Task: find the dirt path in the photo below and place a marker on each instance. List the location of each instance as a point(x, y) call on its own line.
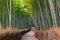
point(29, 36)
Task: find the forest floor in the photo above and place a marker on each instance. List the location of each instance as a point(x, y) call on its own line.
point(49, 34)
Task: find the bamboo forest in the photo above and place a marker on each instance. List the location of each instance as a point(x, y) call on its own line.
point(21, 14)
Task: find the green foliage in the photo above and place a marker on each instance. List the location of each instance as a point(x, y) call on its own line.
point(22, 9)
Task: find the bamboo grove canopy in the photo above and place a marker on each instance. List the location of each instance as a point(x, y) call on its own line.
point(21, 13)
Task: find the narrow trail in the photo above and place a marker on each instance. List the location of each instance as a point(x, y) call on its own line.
point(29, 35)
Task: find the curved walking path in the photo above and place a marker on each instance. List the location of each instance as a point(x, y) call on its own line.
point(29, 36)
